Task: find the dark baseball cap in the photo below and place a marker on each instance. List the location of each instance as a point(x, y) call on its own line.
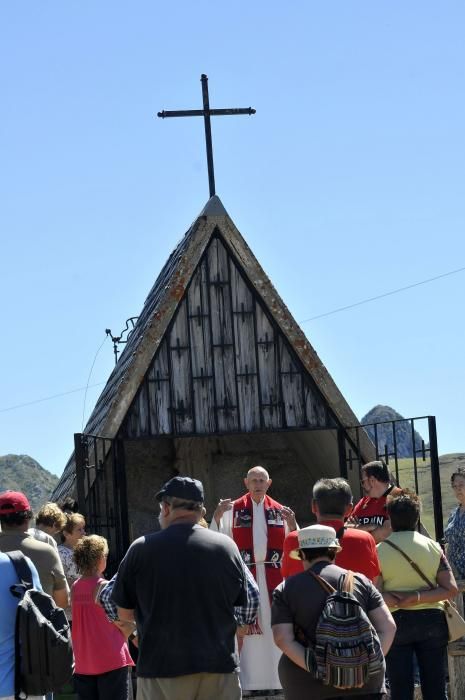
point(13, 502)
point(182, 487)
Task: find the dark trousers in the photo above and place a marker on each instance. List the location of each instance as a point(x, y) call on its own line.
point(113, 685)
point(423, 633)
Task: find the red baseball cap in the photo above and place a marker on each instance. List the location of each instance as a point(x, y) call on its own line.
point(13, 502)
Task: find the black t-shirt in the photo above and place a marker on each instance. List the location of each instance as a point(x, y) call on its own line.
point(183, 584)
point(299, 600)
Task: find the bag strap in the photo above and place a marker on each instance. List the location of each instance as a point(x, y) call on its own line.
point(22, 569)
point(327, 587)
point(411, 562)
point(345, 584)
point(24, 574)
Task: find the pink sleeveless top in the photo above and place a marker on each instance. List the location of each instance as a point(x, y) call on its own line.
point(98, 644)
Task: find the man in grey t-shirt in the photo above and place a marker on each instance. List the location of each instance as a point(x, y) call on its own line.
point(15, 518)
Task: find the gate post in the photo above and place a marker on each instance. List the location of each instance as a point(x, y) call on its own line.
point(341, 445)
point(435, 478)
point(80, 459)
point(122, 495)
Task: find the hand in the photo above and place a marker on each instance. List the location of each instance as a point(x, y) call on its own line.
point(224, 505)
point(289, 517)
point(126, 628)
point(241, 633)
point(352, 521)
point(407, 599)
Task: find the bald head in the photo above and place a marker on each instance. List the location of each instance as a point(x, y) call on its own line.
point(257, 483)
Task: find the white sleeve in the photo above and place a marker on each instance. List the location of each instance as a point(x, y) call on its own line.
point(225, 524)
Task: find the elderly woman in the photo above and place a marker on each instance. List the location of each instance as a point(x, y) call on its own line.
point(50, 520)
point(73, 531)
point(298, 603)
point(455, 529)
point(416, 606)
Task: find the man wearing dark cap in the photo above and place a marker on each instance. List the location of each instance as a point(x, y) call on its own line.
point(15, 519)
point(181, 586)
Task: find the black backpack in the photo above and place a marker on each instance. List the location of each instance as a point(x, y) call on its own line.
point(347, 650)
point(44, 660)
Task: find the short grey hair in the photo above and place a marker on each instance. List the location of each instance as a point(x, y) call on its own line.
point(182, 504)
point(332, 496)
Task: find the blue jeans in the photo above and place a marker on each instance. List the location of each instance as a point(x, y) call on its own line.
point(423, 633)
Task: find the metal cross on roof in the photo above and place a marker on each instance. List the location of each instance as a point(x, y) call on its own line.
point(206, 113)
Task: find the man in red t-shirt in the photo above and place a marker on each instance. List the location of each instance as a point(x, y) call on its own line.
point(332, 503)
point(370, 513)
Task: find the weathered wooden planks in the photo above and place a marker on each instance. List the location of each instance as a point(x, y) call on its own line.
point(224, 365)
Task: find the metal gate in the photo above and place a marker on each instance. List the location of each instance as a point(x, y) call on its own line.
point(102, 493)
point(412, 460)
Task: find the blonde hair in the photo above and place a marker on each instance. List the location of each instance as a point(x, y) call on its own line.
point(88, 552)
point(51, 515)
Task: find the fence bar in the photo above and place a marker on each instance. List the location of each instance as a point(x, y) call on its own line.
point(435, 478)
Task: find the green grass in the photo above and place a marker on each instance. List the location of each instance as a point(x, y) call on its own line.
point(447, 464)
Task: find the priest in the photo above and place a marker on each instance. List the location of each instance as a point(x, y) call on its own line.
point(258, 525)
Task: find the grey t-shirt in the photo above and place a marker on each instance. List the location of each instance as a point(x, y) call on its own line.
point(44, 557)
point(299, 600)
point(183, 584)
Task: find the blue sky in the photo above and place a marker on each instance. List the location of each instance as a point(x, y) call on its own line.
point(347, 183)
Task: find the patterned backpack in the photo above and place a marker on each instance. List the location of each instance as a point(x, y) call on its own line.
point(347, 651)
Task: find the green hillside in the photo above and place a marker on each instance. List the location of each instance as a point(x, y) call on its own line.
point(22, 473)
point(447, 464)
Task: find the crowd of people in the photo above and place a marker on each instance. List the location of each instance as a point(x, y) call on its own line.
point(235, 608)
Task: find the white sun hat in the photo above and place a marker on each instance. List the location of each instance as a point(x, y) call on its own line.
point(315, 537)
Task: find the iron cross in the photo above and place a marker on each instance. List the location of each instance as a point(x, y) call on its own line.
point(206, 113)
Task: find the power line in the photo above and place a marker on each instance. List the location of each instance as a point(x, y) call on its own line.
point(306, 320)
point(382, 296)
point(88, 380)
point(49, 398)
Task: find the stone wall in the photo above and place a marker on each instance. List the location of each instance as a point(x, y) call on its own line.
point(294, 460)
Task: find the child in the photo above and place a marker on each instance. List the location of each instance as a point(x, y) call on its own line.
point(102, 656)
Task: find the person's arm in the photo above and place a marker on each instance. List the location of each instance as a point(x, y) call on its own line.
point(384, 624)
point(390, 597)
point(446, 590)
point(126, 615)
point(223, 508)
point(60, 593)
point(61, 597)
point(290, 523)
point(378, 532)
point(247, 614)
point(284, 638)
point(103, 594)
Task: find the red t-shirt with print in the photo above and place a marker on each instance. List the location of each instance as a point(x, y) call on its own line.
point(358, 552)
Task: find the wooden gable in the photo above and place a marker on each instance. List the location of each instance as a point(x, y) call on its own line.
point(224, 366)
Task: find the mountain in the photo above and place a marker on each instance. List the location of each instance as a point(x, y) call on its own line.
point(385, 437)
point(22, 473)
